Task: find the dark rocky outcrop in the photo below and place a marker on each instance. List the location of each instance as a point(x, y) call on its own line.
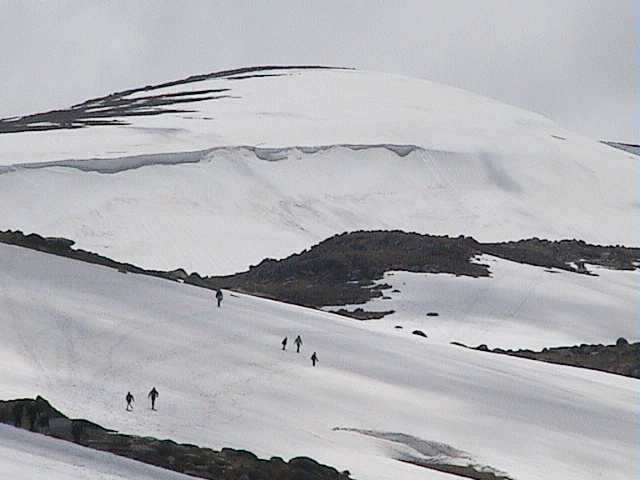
point(227, 464)
point(114, 108)
point(623, 358)
point(362, 314)
point(64, 247)
point(419, 333)
point(465, 471)
point(344, 269)
point(563, 253)
point(627, 147)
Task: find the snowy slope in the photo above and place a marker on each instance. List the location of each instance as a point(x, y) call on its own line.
point(519, 306)
point(83, 335)
point(28, 456)
point(299, 107)
point(275, 164)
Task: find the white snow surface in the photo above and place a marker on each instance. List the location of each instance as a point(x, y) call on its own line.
point(30, 456)
point(519, 306)
point(301, 107)
point(82, 336)
point(286, 161)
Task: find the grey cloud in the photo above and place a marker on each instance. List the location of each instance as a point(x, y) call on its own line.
point(574, 61)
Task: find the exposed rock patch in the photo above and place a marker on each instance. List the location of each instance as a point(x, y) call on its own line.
point(623, 358)
point(112, 108)
point(227, 464)
point(362, 314)
point(344, 269)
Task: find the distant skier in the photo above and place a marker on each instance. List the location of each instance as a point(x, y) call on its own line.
point(314, 358)
point(219, 297)
point(130, 400)
point(153, 394)
point(298, 342)
point(284, 343)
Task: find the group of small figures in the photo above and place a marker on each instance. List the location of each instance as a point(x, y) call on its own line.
point(298, 343)
point(152, 395)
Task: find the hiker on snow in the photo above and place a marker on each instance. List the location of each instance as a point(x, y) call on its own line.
point(314, 358)
point(219, 297)
point(298, 342)
point(284, 343)
point(129, 398)
point(153, 394)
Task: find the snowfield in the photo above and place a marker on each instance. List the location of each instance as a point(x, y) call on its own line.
point(299, 107)
point(519, 306)
point(281, 162)
point(82, 336)
point(28, 456)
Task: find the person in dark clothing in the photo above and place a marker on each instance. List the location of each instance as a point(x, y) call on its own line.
point(284, 343)
point(153, 394)
point(298, 342)
point(129, 398)
point(314, 358)
point(219, 297)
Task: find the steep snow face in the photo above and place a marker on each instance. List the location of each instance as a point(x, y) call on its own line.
point(231, 209)
point(276, 163)
point(83, 336)
point(519, 306)
point(28, 456)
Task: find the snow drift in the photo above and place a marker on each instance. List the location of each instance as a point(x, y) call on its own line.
point(284, 158)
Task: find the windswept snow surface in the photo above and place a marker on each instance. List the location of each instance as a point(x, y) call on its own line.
point(82, 336)
point(31, 456)
point(284, 161)
point(519, 306)
point(233, 209)
point(301, 107)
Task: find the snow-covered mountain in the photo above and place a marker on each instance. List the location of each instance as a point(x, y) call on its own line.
point(84, 335)
point(215, 172)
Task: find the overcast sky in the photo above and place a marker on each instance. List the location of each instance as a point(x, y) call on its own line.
point(575, 61)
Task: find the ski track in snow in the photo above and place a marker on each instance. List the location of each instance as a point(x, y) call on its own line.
point(82, 336)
